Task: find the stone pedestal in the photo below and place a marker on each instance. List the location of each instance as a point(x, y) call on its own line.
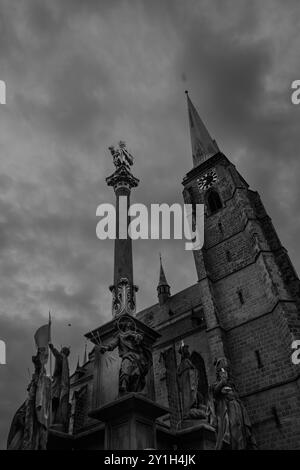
point(58, 440)
point(196, 436)
point(130, 422)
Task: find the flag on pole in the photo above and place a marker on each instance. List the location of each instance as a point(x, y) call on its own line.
point(42, 336)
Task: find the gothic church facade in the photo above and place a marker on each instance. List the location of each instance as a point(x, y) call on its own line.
point(244, 306)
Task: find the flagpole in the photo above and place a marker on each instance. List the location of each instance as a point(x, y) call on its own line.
point(49, 343)
point(50, 367)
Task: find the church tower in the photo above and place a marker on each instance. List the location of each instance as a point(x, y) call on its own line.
point(249, 290)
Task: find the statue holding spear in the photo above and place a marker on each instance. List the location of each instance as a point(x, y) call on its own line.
point(29, 428)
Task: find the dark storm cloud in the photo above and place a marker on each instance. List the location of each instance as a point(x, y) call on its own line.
point(77, 101)
point(241, 72)
point(82, 75)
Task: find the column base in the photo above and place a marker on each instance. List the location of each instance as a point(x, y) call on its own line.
point(196, 435)
point(129, 422)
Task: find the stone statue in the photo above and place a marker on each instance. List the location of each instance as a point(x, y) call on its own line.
point(60, 388)
point(16, 432)
point(29, 428)
point(136, 358)
point(121, 156)
point(192, 401)
point(233, 425)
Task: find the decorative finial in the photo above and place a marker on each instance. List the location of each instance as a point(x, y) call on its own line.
point(162, 277)
point(163, 288)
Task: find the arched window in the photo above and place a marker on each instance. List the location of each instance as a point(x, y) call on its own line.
point(214, 201)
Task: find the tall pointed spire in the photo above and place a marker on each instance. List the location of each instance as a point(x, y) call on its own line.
point(162, 276)
point(203, 146)
point(163, 288)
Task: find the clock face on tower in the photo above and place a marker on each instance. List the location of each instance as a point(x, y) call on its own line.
point(207, 180)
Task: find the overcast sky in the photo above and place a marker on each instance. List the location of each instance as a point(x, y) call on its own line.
point(80, 76)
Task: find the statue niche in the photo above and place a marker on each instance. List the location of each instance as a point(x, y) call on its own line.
point(193, 386)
